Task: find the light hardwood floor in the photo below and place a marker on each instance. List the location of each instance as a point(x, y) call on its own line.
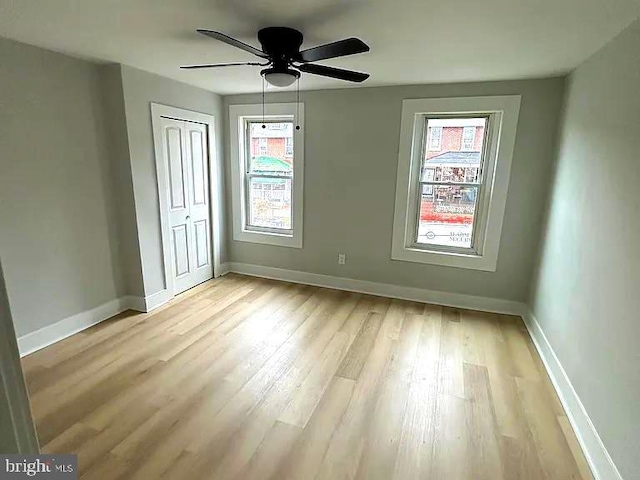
point(246, 378)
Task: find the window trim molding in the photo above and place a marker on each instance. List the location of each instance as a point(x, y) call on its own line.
point(410, 148)
point(237, 116)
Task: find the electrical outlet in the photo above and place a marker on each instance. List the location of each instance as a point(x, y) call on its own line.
point(342, 259)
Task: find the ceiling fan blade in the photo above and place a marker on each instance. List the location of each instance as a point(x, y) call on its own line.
point(348, 75)
point(232, 41)
point(349, 46)
point(215, 65)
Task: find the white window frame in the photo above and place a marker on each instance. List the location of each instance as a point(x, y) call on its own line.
point(251, 175)
point(238, 115)
point(504, 111)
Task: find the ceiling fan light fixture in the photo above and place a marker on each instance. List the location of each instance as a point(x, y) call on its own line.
point(280, 78)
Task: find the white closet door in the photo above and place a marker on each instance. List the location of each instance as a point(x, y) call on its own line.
point(200, 221)
point(186, 157)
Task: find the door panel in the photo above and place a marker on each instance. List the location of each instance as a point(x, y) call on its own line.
point(187, 169)
point(202, 243)
point(198, 166)
point(175, 158)
point(180, 250)
point(199, 206)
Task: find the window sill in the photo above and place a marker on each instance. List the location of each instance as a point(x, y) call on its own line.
point(266, 238)
point(487, 263)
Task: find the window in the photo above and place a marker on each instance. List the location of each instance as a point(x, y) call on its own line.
point(435, 138)
point(267, 180)
point(448, 189)
point(450, 203)
point(468, 137)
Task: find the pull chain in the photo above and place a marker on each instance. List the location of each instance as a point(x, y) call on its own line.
point(263, 125)
point(298, 104)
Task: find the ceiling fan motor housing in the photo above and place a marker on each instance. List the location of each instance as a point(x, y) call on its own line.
point(280, 42)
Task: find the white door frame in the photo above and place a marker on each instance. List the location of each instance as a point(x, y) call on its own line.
point(157, 112)
point(20, 435)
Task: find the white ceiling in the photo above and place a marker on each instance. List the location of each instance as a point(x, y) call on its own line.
point(412, 41)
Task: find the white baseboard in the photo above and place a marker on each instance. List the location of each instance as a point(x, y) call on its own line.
point(148, 303)
point(224, 269)
point(155, 300)
point(597, 456)
point(457, 300)
point(135, 303)
point(64, 328)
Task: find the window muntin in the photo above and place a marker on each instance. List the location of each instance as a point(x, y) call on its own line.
point(450, 185)
point(268, 179)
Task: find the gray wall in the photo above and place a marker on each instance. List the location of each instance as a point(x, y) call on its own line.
point(79, 216)
point(55, 209)
point(140, 90)
point(585, 291)
point(351, 156)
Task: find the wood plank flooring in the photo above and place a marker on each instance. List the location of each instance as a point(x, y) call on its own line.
point(247, 378)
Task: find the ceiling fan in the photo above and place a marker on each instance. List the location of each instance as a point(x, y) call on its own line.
point(285, 61)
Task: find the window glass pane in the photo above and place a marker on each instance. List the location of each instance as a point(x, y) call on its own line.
point(460, 147)
point(269, 154)
point(447, 215)
point(270, 203)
